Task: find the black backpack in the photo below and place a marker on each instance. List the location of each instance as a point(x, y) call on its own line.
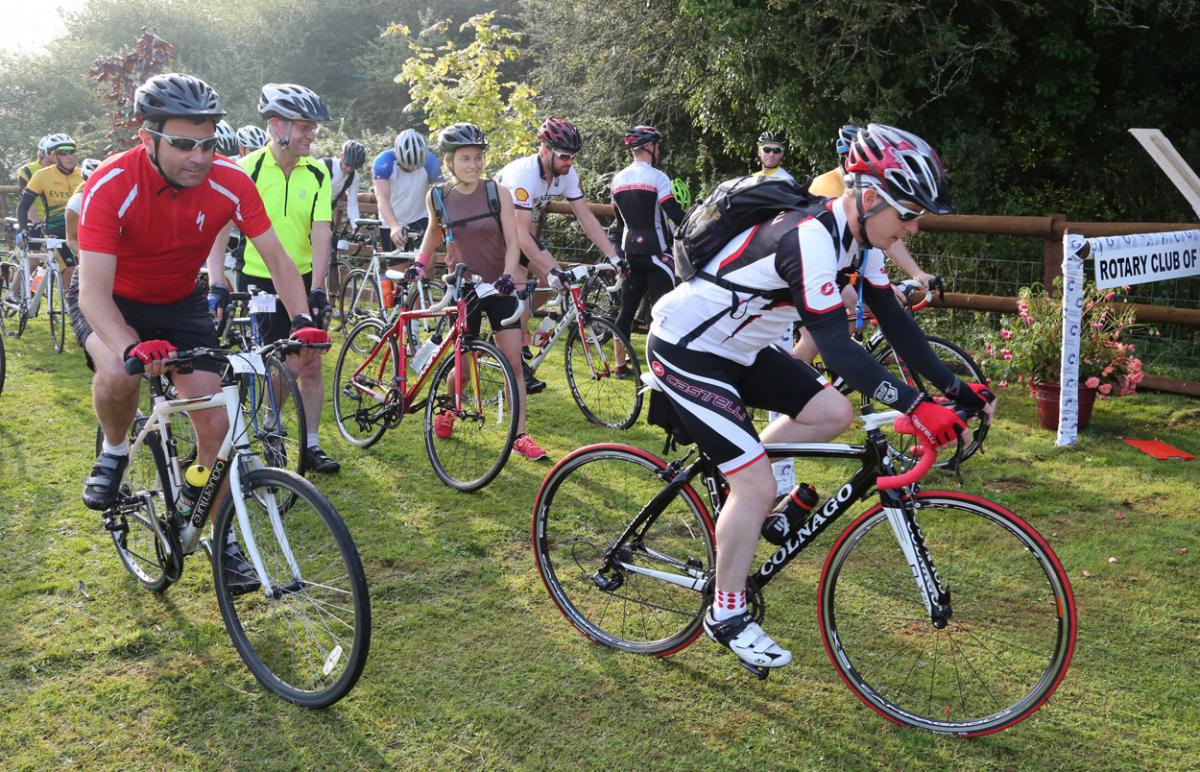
point(733, 207)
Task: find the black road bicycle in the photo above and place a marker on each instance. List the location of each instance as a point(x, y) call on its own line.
point(939, 609)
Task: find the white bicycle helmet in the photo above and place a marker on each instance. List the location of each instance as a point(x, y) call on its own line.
point(55, 141)
point(900, 165)
point(88, 166)
point(227, 143)
point(291, 102)
point(251, 137)
point(411, 150)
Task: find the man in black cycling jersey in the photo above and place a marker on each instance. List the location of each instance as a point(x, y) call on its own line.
point(712, 347)
point(643, 199)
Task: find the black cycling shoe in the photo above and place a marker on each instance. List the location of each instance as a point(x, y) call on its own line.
point(318, 461)
point(100, 491)
point(624, 372)
point(526, 353)
point(532, 384)
point(240, 576)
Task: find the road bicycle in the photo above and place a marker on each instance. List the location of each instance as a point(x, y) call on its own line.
point(469, 379)
point(368, 292)
point(306, 632)
point(607, 395)
point(22, 287)
point(939, 609)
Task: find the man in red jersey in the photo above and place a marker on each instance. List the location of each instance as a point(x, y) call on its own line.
point(148, 218)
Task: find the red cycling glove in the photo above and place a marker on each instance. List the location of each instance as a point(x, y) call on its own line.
point(310, 335)
point(940, 425)
point(150, 350)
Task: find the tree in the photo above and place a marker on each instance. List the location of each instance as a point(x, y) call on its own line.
point(453, 83)
point(117, 78)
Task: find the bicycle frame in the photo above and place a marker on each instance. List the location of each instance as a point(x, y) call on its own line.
point(876, 463)
point(33, 298)
point(575, 313)
point(234, 448)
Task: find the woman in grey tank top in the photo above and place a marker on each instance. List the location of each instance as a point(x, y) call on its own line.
point(479, 215)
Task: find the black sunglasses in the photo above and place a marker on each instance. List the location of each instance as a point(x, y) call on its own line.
point(188, 144)
point(65, 151)
point(771, 149)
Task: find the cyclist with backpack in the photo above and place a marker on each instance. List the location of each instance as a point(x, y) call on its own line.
point(643, 198)
point(343, 177)
point(712, 345)
point(475, 219)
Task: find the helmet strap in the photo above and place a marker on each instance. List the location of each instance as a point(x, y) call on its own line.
point(863, 239)
point(158, 166)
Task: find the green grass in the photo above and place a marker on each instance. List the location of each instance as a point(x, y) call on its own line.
point(472, 665)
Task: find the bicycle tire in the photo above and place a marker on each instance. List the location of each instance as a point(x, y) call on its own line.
point(360, 418)
point(584, 505)
point(11, 301)
point(965, 368)
point(143, 534)
point(56, 307)
point(359, 300)
point(3, 356)
point(417, 331)
point(1013, 628)
point(485, 420)
point(307, 643)
point(273, 409)
point(604, 398)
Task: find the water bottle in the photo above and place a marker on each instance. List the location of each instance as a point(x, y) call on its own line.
point(389, 293)
point(194, 480)
point(423, 355)
point(37, 278)
point(542, 335)
point(790, 515)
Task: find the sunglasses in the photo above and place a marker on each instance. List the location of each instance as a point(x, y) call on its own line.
point(65, 151)
point(188, 144)
point(908, 215)
point(562, 156)
point(771, 150)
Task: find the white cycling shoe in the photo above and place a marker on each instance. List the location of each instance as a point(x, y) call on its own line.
point(745, 638)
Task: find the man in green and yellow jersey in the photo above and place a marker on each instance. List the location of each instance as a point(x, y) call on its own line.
point(53, 186)
point(296, 190)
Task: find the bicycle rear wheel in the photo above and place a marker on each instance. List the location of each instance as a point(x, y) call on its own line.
point(274, 415)
point(359, 299)
point(56, 305)
point(965, 368)
point(362, 418)
point(11, 293)
point(649, 595)
point(306, 641)
point(140, 527)
point(482, 427)
point(1004, 650)
point(591, 361)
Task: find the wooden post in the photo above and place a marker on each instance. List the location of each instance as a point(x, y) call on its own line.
point(1053, 253)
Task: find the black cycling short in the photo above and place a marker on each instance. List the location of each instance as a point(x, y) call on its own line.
point(498, 308)
point(711, 393)
point(186, 324)
point(278, 325)
point(416, 231)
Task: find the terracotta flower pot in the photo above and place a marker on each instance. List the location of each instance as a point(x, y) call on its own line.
point(1047, 394)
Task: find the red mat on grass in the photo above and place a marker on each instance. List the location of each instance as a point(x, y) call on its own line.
point(1159, 449)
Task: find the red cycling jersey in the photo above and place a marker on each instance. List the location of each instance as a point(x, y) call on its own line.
point(160, 234)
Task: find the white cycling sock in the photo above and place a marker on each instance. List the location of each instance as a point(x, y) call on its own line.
point(728, 604)
point(120, 449)
point(310, 440)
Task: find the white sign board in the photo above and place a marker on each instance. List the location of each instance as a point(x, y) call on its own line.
point(1168, 159)
point(1144, 257)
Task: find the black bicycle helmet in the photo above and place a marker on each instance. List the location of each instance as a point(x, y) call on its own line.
point(175, 95)
point(769, 137)
point(291, 102)
point(354, 154)
point(560, 133)
point(461, 135)
point(640, 136)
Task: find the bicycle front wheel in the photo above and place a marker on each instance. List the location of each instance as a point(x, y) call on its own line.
point(646, 595)
point(363, 417)
point(274, 415)
point(56, 304)
point(604, 397)
point(359, 299)
point(471, 416)
point(140, 527)
point(1007, 644)
point(305, 640)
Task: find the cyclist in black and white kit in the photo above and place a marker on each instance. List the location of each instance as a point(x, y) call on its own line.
point(642, 199)
point(712, 348)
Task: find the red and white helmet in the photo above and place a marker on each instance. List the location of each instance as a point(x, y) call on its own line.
point(900, 165)
point(561, 134)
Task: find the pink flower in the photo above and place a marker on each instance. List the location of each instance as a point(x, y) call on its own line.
point(1002, 384)
point(1005, 335)
point(1092, 382)
point(1005, 354)
point(1097, 325)
point(1106, 389)
point(1108, 297)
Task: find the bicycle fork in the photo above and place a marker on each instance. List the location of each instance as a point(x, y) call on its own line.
point(901, 516)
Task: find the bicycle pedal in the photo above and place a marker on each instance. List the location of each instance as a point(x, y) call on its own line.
point(760, 673)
